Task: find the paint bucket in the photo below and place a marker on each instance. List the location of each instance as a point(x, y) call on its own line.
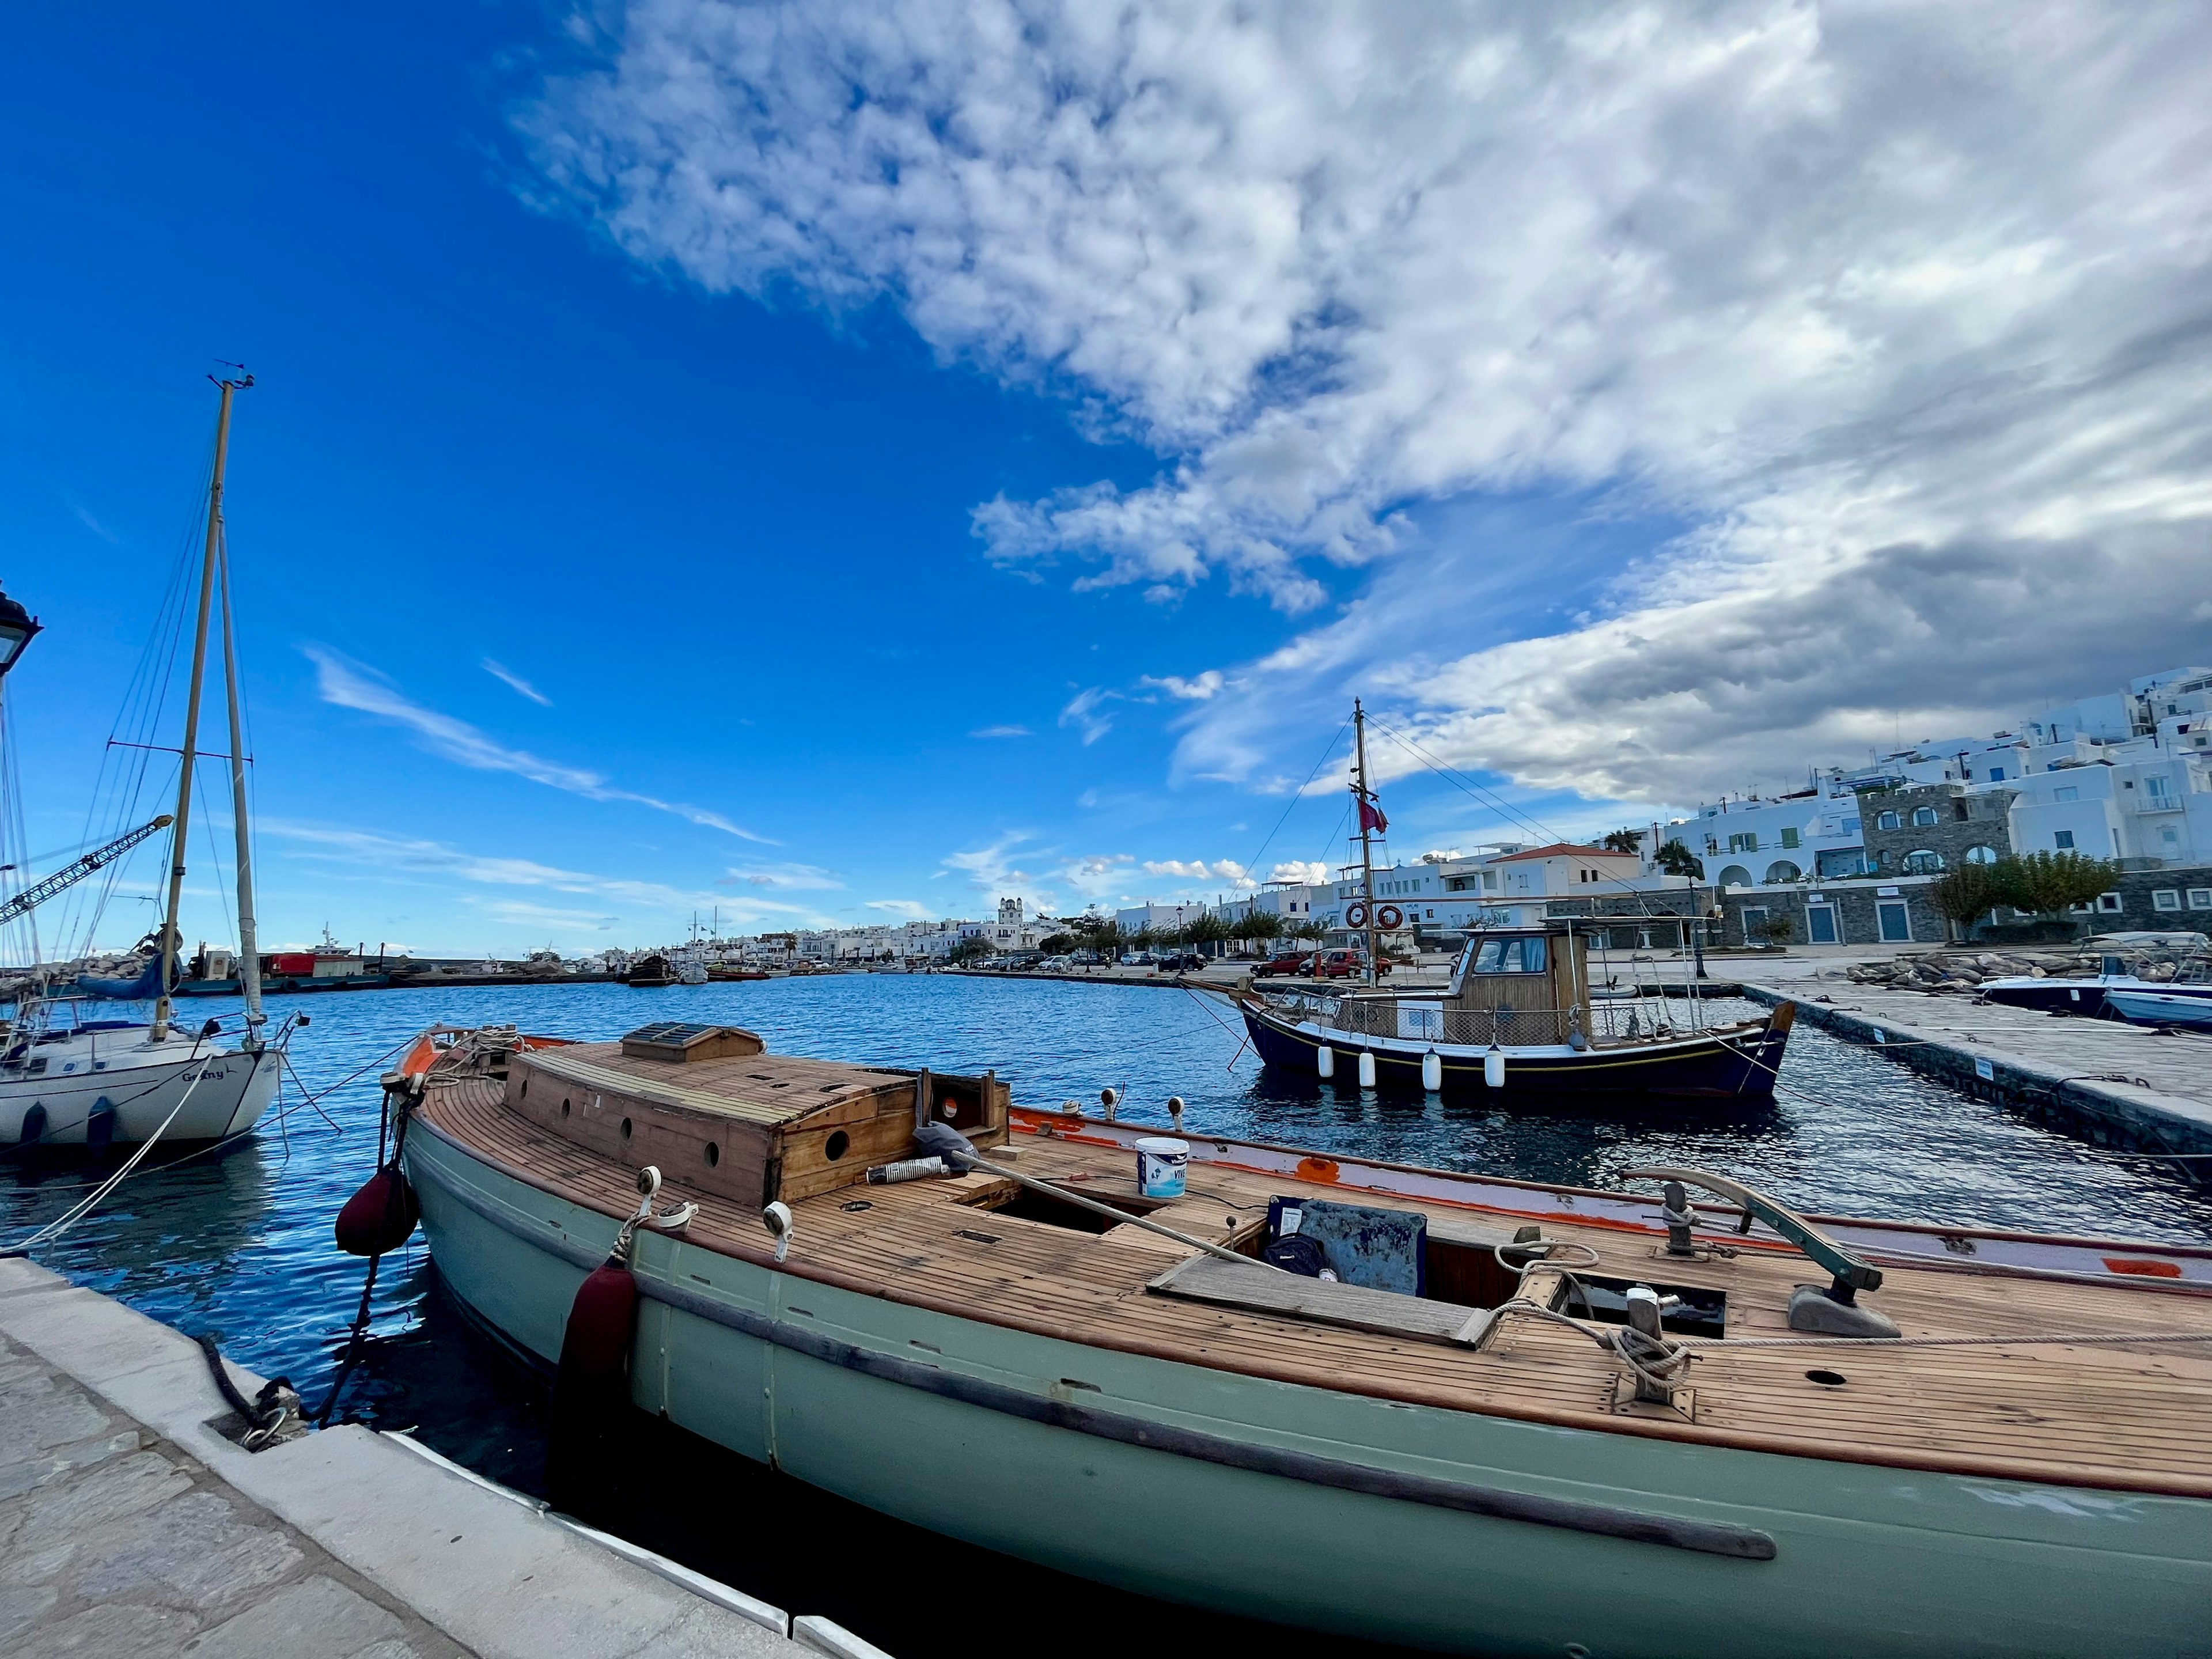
point(1162, 1161)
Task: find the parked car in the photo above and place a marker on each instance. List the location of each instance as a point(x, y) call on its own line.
point(1343, 964)
point(1177, 961)
point(1290, 961)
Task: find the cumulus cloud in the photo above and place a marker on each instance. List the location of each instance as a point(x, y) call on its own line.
point(1221, 869)
point(1199, 688)
point(1893, 307)
point(1311, 872)
point(348, 685)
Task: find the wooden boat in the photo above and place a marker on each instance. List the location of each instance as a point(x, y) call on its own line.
point(650, 973)
point(1520, 1019)
point(1451, 1446)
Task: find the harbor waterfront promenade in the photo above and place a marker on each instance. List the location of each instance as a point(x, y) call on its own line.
point(132, 1525)
point(2113, 1082)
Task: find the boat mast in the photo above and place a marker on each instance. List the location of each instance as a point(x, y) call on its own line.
point(1366, 845)
point(249, 935)
point(177, 835)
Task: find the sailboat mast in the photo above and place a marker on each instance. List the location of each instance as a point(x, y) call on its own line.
point(249, 935)
point(179, 835)
point(1366, 844)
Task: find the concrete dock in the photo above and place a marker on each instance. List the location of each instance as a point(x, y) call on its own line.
point(130, 1524)
point(2112, 1084)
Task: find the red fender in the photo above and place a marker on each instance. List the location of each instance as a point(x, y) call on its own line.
point(379, 1217)
point(591, 1395)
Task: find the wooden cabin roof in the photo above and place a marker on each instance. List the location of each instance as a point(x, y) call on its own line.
point(762, 1088)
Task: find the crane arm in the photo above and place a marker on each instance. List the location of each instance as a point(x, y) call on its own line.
point(77, 870)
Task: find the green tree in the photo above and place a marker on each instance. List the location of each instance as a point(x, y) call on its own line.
point(2047, 883)
point(1057, 945)
point(1205, 928)
point(1970, 891)
point(1621, 840)
point(966, 951)
point(1677, 860)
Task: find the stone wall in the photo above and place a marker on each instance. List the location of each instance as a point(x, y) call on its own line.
point(1854, 907)
point(1963, 822)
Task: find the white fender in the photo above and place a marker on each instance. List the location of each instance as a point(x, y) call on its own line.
point(1494, 1067)
point(1366, 1069)
point(1325, 1062)
point(1432, 1072)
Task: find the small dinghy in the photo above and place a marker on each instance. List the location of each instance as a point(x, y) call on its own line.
point(1460, 1412)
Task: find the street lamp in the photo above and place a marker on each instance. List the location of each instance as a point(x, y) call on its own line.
point(17, 627)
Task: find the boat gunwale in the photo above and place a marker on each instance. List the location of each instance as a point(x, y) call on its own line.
point(1969, 1465)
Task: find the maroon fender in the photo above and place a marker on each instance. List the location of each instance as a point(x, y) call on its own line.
point(379, 1217)
point(595, 1348)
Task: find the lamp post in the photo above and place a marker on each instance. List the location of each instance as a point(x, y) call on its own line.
point(17, 625)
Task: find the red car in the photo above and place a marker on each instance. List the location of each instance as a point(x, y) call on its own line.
point(1290, 961)
point(1343, 964)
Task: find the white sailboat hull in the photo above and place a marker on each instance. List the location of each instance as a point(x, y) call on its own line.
point(213, 1092)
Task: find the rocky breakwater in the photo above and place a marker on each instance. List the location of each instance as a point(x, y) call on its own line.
point(1961, 969)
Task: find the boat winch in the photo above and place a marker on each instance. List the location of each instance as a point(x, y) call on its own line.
point(1832, 1310)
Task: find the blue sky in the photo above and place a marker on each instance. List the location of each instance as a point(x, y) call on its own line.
point(654, 498)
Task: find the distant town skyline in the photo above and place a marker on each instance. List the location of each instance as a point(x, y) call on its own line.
point(825, 463)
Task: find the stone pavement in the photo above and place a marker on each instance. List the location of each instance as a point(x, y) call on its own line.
point(115, 1542)
point(2129, 1076)
point(130, 1525)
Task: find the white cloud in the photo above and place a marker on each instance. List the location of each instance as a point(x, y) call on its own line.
point(794, 878)
point(906, 907)
point(1895, 308)
point(1221, 869)
point(350, 684)
point(515, 682)
point(1083, 711)
point(1311, 872)
point(1197, 688)
point(1001, 732)
point(404, 854)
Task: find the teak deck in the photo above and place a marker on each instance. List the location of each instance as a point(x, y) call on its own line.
point(2124, 1417)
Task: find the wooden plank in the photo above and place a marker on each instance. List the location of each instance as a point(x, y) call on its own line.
point(1266, 1290)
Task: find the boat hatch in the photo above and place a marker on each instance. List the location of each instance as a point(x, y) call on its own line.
point(1694, 1312)
point(1027, 1203)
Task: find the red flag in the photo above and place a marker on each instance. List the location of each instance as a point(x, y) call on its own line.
point(1371, 817)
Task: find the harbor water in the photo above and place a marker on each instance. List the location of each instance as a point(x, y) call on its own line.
point(237, 1241)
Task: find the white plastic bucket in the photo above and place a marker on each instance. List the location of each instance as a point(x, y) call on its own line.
point(1162, 1161)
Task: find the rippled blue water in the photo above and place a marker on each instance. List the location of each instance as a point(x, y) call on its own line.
point(239, 1242)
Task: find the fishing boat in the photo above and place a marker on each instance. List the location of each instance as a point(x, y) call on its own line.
point(650, 972)
point(67, 1080)
point(1520, 1018)
point(1451, 1411)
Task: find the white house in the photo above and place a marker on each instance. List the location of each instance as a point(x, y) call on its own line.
point(2154, 804)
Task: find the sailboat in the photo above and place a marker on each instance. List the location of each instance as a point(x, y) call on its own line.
point(1518, 1023)
point(71, 1081)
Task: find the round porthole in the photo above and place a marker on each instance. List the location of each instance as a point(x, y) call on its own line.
point(713, 1155)
point(838, 1145)
point(625, 1128)
point(564, 1109)
point(1826, 1379)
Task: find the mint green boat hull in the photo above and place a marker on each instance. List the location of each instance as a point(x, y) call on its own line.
point(1868, 1560)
